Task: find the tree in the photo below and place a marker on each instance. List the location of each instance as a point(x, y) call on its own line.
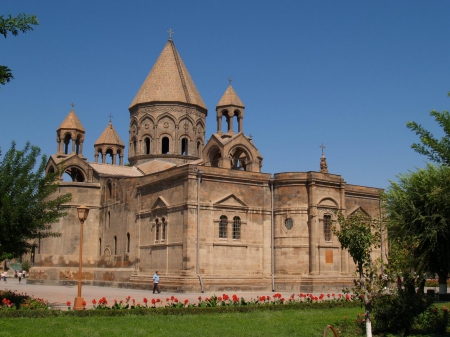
point(23, 23)
point(419, 218)
point(359, 233)
point(436, 150)
point(27, 205)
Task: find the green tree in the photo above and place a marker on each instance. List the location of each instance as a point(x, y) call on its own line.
point(419, 219)
point(359, 234)
point(436, 150)
point(23, 23)
point(27, 204)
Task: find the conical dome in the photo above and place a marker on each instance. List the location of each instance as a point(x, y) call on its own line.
point(169, 81)
point(230, 98)
point(72, 122)
point(109, 137)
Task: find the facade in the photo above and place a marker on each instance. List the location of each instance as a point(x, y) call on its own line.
point(201, 213)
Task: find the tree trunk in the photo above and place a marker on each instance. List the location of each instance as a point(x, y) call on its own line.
point(442, 283)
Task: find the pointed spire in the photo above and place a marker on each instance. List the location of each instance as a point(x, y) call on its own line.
point(109, 137)
point(230, 98)
point(169, 81)
point(72, 122)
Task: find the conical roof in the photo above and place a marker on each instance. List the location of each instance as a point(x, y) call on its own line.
point(72, 122)
point(169, 81)
point(109, 136)
point(230, 98)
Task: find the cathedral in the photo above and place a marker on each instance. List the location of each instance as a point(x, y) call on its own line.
point(200, 211)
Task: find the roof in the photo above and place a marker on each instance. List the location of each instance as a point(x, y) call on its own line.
point(164, 83)
point(230, 98)
point(72, 122)
point(155, 166)
point(109, 137)
point(116, 170)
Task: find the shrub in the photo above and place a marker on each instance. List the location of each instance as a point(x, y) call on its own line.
point(433, 320)
point(26, 265)
point(397, 313)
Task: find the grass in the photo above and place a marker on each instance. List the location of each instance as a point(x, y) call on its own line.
point(259, 323)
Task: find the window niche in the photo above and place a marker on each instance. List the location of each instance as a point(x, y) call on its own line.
point(288, 223)
point(223, 227)
point(327, 234)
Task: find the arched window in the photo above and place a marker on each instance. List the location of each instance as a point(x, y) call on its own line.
point(163, 232)
point(109, 190)
point(109, 219)
point(184, 146)
point(327, 227)
point(135, 147)
point(236, 228)
point(77, 145)
point(165, 145)
point(158, 225)
point(223, 224)
point(147, 145)
point(115, 245)
point(128, 242)
point(198, 148)
point(100, 246)
point(67, 139)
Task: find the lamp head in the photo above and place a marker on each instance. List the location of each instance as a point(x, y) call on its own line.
point(83, 212)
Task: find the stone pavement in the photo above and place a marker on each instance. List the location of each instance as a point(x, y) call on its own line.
point(57, 296)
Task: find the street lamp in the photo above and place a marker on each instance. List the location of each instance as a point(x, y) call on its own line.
point(83, 212)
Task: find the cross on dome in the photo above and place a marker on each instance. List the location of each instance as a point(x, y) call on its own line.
point(170, 31)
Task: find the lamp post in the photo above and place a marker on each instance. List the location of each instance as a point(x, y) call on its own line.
point(83, 212)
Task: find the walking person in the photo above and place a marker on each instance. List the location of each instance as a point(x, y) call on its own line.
point(4, 276)
point(156, 283)
point(20, 276)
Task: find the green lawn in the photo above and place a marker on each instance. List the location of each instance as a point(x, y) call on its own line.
point(260, 323)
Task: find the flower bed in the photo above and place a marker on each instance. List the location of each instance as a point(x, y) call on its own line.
point(171, 305)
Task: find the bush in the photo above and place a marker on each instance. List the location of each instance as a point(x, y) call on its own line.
point(26, 265)
point(433, 320)
point(397, 313)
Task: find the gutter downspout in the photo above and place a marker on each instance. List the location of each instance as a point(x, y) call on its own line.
point(197, 267)
point(272, 234)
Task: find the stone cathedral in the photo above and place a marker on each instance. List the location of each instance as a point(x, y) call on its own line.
point(200, 211)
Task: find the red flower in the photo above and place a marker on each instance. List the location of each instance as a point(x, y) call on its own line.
point(347, 297)
point(172, 297)
point(83, 303)
point(145, 300)
point(176, 300)
point(219, 298)
point(167, 299)
point(328, 295)
point(235, 298)
point(68, 303)
point(321, 296)
point(158, 300)
point(186, 301)
point(225, 297)
point(340, 295)
point(94, 302)
point(200, 298)
point(153, 301)
point(332, 295)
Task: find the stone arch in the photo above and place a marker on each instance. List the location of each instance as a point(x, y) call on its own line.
point(107, 252)
point(199, 147)
point(75, 173)
point(51, 169)
point(214, 156)
point(328, 203)
point(167, 115)
point(240, 157)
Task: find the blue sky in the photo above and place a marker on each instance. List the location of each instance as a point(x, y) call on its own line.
point(349, 74)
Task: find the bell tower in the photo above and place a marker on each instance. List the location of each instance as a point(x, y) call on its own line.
point(70, 136)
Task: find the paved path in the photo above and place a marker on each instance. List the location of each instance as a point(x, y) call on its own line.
point(58, 296)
